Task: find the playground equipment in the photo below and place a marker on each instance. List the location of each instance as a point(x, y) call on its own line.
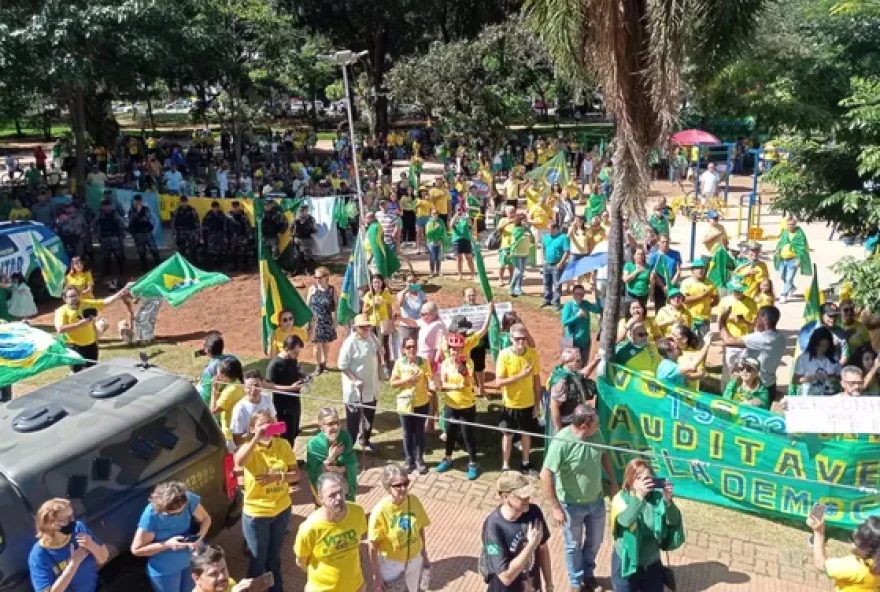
point(748, 202)
point(714, 150)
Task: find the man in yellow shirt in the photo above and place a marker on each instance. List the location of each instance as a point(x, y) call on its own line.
point(76, 319)
point(753, 271)
point(327, 545)
point(699, 297)
point(716, 234)
point(440, 199)
point(518, 375)
point(740, 322)
point(673, 313)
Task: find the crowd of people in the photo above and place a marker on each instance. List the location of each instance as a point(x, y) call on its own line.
point(674, 312)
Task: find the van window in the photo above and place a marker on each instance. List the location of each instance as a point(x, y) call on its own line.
point(7, 246)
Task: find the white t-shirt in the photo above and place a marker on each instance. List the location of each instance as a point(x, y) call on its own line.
point(807, 365)
point(708, 183)
point(360, 356)
point(768, 347)
point(244, 409)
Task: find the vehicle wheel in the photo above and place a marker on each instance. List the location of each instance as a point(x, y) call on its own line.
point(38, 286)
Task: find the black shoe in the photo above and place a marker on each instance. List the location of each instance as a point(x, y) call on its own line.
point(409, 467)
point(422, 468)
point(526, 469)
point(591, 585)
point(546, 304)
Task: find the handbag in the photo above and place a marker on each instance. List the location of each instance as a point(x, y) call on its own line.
point(398, 584)
point(493, 241)
point(386, 327)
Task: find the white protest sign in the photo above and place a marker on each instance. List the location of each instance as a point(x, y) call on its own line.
point(832, 415)
point(475, 314)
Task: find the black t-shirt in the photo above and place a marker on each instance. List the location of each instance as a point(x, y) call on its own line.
point(284, 372)
point(503, 540)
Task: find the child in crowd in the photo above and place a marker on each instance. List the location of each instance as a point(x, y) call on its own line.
point(21, 301)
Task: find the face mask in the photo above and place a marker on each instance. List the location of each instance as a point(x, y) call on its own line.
point(415, 288)
point(68, 528)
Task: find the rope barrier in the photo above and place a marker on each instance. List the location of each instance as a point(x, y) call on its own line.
point(607, 447)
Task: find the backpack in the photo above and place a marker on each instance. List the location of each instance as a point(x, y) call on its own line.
point(578, 389)
point(493, 241)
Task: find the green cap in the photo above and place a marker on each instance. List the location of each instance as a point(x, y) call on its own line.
point(698, 263)
point(673, 292)
point(735, 286)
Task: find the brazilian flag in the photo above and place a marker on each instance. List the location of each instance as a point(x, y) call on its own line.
point(357, 274)
point(384, 259)
point(52, 267)
point(494, 325)
point(554, 170)
point(721, 267)
point(814, 298)
point(175, 280)
point(276, 291)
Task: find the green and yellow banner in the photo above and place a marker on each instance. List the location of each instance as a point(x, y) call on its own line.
point(720, 452)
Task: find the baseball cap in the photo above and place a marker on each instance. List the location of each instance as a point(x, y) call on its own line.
point(735, 286)
point(515, 483)
point(673, 292)
point(361, 320)
point(751, 363)
point(712, 214)
point(698, 263)
point(831, 309)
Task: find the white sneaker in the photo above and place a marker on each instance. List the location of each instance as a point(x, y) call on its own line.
point(782, 299)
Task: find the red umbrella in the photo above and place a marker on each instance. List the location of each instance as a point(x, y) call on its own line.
point(693, 136)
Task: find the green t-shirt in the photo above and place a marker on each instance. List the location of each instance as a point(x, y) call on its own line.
point(576, 467)
point(462, 230)
point(637, 286)
point(736, 391)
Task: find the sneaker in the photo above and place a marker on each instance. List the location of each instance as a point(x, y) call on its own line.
point(444, 465)
point(368, 446)
point(518, 445)
point(504, 468)
point(591, 585)
point(473, 472)
point(782, 299)
point(422, 468)
point(409, 467)
point(527, 470)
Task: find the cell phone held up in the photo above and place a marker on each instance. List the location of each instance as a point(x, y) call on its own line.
point(659, 484)
point(276, 429)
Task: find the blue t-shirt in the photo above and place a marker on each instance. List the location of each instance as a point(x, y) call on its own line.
point(555, 247)
point(46, 564)
point(672, 260)
point(668, 371)
point(164, 527)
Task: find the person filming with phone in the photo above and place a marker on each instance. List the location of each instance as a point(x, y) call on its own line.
point(66, 555)
point(269, 465)
point(644, 521)
point(860, 570)
point(165, 535)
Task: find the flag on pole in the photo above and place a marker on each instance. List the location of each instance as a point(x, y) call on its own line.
point(384, 259)
point(175, 280)
point(357, 274)
point(814, 298)
point(554, 170)
point(53, 268)
point(26, 351)
point(276, 291)
point(721, 267)
point(494, 325)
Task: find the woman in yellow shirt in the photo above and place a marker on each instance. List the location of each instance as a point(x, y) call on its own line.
point(378, 308)
point(424, 205)
point(80, 277)
point(413, 380)
point(396, 533)
point(860, 570)
point(637, 313)
point(227, 390)
point(285, 329)
point(457, 384)
point(269, 470)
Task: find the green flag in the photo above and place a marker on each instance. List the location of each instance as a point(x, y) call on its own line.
point(175, 280)
point(494, 325)
point(813, 305)
point(720, 267)
point(276, 291)
point(357, 274)
point(26, 351)
point(554, 170)
point(384, 259)
point(53, 268)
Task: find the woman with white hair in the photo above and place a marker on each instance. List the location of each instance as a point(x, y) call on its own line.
point(398, 551)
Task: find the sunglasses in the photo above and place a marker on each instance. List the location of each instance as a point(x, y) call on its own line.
point(640, 334)
point(286, 319)
point(409, 347)
point(519, 338)
point(320, 277)
point(331, 424)
point(401, 485)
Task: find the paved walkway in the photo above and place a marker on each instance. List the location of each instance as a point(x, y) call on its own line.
point(457, 508)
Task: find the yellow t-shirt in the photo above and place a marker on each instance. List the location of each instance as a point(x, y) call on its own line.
point(423, 208)
point(520, 394)
point(539, 217)
point(66, 315)
point(279, 335)
point(529, 156)
point(687, 357)
point(523, 246)
point(403, 368)
point(378, 307)
point(19, 214)
point(787, 252)
point(332, 551)
point(440, 199)
point(463, 397)
point(668, 317)
point(229, 396)
point(764, 300)
point(745, 309)
point(396, 527)
point(229, 585)
point(511, 190)
point(851, 574)
point(651, 327)
point(265, 501)
point(596, 235)
point(505, 232)
point(752, 282)
point(700, 310)
point(79, 280)
point(580, 242)
point(533, 194)
point(715, 236)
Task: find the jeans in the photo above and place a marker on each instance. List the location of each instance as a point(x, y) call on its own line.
point(434, 256)
point(646, 579)
point(360, 433)
point(583, 531)
point(265, 538)
point(467, 431)
point(516, 278)
point(552, 285)
point(788, 271)
point(176, 582)
point(414, 435)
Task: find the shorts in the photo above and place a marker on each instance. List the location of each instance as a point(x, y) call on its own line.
point(464, 246)
point(519, 419)
point(478, 357)
point(422, 221)
point(504, 256)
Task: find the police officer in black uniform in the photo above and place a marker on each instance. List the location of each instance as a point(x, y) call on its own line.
point(274, 225)
point(185, 224)
point(214, 235)
point(140, 225)
point(111, 234)
point(240, 232)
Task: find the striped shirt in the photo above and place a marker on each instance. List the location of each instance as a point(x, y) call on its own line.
point(389, 225)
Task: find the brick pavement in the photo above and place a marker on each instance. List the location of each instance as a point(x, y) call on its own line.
point(457, 508)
